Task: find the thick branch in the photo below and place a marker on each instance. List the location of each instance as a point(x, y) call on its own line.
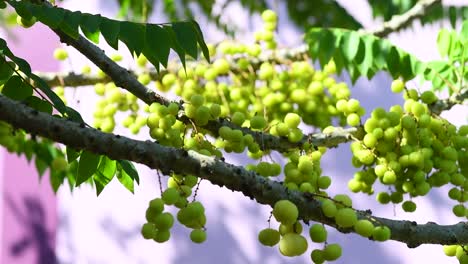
point(236, 178)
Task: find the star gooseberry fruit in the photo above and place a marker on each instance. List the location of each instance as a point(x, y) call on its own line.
point(285, 212)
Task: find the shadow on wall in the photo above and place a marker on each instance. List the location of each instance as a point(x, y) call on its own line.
point(31, 216)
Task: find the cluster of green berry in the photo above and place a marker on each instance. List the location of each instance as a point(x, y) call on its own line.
point(190, 214)
point(293, 243)
point(411, 150)
point(458, 251)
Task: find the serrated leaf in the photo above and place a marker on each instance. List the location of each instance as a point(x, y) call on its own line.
point(70, 23)
point(16, 89)
point(444, 42)
point(87, 166)
point(128, 167)
point(125, 179)
point(133, 35)
point(110, 31)
point(72, 154)
point(90, 26)
point(157, 43)
point(39, 104)
point(351, 46)
point(186, 36)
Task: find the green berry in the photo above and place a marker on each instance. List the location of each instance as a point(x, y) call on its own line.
point(60, 54)
point(285, 212)
point(198, 236)
point(269, 237)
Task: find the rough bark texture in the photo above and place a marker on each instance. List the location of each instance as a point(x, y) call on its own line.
point(235, 178)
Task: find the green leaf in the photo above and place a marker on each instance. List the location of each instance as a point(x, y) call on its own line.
point(72, 154)
point(51, 16)
point(22, 9)
point(444, 42)
point(28, 149)
point(22, 64)
point(39, 83)
point(187, 37)
point(70, 24)
point(6, 70)
point(71, 174)
point(90, 26)
point(107, 167)
point(201, 40)
point(351, 46)
point(393, 62)
point(16, 89)
point(110, 31)
point(464, 32)
point(406, 70)
point(368, 59)
point(157, 44)
point(128, 167)
point(56, 101)
point(41, 166)
point(379, 52)
point(87, 166)
point(326, 48)
point(175, 44)
point(133, 35)
point(39, 104)
point(125, 179)
point(56, 179)
point(417, 67)
point(453, 16)
point(45, 152)
point(74, 115)
point(104, 174)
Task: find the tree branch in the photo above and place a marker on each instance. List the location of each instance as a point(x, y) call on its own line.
point(398, 22)
point(235, 178)
point(126, 80)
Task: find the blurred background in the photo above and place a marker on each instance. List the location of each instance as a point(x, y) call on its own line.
point(38, 226)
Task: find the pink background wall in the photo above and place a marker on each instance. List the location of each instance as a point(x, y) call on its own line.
point(28, 204)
